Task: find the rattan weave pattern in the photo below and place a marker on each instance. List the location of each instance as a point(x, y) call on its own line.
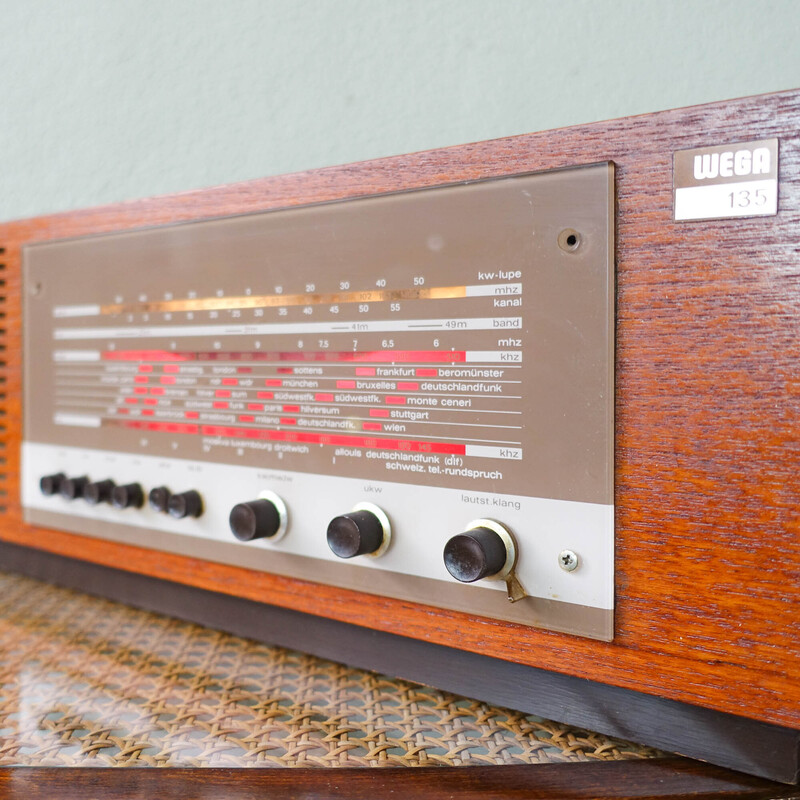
point(89, 682)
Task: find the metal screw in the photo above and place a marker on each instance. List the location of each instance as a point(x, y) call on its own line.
point(568, 560)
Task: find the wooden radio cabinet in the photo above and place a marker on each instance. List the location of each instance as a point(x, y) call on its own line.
point(655, 417)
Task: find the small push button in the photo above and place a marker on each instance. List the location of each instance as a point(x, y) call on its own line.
point(363, 531)
point(51, 484)
point(98, 492)
point(185, 504)
point(72, 488)
point(128, 496)
point(159, 499)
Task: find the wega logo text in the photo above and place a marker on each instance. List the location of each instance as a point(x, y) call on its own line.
point(732, 162)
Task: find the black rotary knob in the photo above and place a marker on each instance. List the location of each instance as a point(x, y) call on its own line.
point(72, 488)
point(51, 484)
point(475, 554)
point(257, 519)
point(185, 504)
point(128, 496)
point(355, 534)
point(98, 492)
point(159, 499)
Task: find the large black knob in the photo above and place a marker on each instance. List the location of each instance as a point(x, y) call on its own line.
point(98, 492)
point(72, 488)
point(128, 496)
point(185, 504)
point(159, 499)
point(258, 519)
point(355, 534)
point(475, 554)
point(51, 484)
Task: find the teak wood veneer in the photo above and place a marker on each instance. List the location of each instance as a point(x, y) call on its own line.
point(707, 414)
point(668, 779)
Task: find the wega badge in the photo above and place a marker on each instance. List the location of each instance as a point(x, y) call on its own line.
point(732, 180)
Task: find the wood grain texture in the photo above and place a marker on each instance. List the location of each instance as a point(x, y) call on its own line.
point(662, 778)
point(708, 414)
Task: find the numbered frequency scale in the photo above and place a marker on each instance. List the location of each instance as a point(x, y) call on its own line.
point(367, 394)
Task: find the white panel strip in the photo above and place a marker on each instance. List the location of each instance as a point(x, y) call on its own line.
point(494, 356)
point(742, 199)
point(514, 453)
point(77, 420)
point(76, 355)
point(423, 517)
point(176, 331)
point(76, 311)
point(494, 290)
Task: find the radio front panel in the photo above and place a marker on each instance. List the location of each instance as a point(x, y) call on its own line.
point(410, 395)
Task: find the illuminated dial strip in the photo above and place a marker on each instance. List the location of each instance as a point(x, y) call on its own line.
point(281, 300)
point(194, 393)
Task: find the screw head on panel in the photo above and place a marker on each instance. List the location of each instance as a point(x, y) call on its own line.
point(568, 560)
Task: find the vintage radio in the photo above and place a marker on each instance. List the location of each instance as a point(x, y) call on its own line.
point(519, 419)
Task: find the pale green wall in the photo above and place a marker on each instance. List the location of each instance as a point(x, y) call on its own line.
point(102, 100)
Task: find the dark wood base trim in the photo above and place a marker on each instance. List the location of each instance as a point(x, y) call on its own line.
point(730, 741)
point(656, 778)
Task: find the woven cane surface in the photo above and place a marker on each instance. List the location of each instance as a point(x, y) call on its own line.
point(89, 682)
